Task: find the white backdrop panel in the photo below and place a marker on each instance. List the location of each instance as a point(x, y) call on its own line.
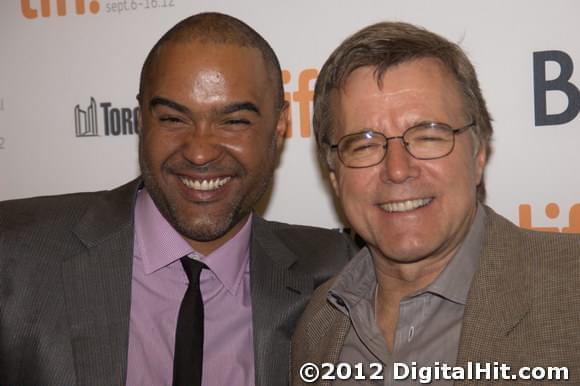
point(52, 63)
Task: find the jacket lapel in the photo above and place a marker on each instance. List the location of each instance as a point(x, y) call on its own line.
point(280, 290)
point(97, 286)
point(499, 297)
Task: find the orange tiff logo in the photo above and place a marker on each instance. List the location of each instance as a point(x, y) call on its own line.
point(31, 11)
point(303, 97)
point(552, 211)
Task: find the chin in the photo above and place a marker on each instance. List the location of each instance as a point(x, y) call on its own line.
point(205, 230)
point(208, 225)
point(405, 253)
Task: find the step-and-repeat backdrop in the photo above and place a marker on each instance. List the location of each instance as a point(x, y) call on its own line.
point(69, 74)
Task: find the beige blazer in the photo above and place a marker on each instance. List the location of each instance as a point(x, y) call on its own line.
point(523, 308)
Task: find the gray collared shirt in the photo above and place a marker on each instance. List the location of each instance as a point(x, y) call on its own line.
point(430, 320)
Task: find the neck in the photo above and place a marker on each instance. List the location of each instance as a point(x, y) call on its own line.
point(207, 247)
point(397, 280)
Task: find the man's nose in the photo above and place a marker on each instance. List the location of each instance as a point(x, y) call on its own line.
point(202, 145)
point(398, 165)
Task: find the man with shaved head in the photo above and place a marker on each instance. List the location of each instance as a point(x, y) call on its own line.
point(171, 278)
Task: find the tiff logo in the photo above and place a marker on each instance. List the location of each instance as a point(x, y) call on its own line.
point(552, 211)
point(86, 121)
point(31, 11)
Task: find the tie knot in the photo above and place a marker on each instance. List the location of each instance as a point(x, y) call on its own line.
point(192, 268)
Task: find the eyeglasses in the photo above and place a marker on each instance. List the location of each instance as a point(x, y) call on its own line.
point(426, 141)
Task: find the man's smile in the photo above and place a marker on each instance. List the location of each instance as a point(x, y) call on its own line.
point(204, 184)
point(405, 205)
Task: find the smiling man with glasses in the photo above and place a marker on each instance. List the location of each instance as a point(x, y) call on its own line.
point(404, 131)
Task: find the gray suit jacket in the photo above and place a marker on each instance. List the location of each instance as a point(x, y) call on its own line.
point(523, 307)
point(65, 282)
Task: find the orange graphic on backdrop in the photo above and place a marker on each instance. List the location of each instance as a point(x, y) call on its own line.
point(552, 211)
point(31, 12)
point(303, 96)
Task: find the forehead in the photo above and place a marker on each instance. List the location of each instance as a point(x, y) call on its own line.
point(183, 66)
point(413, 90)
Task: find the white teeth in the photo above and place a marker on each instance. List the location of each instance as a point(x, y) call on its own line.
point(205, 184)
point(404, 206)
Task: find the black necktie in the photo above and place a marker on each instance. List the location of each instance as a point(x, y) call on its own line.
point(189, 333)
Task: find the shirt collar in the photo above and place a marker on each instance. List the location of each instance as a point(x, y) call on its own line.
point(454, 281)
point(158, 244)
point(232, 260)
point(356, 282)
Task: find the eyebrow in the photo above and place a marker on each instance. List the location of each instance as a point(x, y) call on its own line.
point(160, 101)
point(232, 108)
point(229, 109)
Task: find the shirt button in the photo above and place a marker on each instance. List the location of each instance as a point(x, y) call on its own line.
point(411, 333)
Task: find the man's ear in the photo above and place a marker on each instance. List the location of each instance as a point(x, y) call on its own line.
point(480, 162)
point(333, 182)
point(139, 120)
point(283, 124)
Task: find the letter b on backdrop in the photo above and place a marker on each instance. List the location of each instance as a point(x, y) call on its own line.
point(561, 83)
